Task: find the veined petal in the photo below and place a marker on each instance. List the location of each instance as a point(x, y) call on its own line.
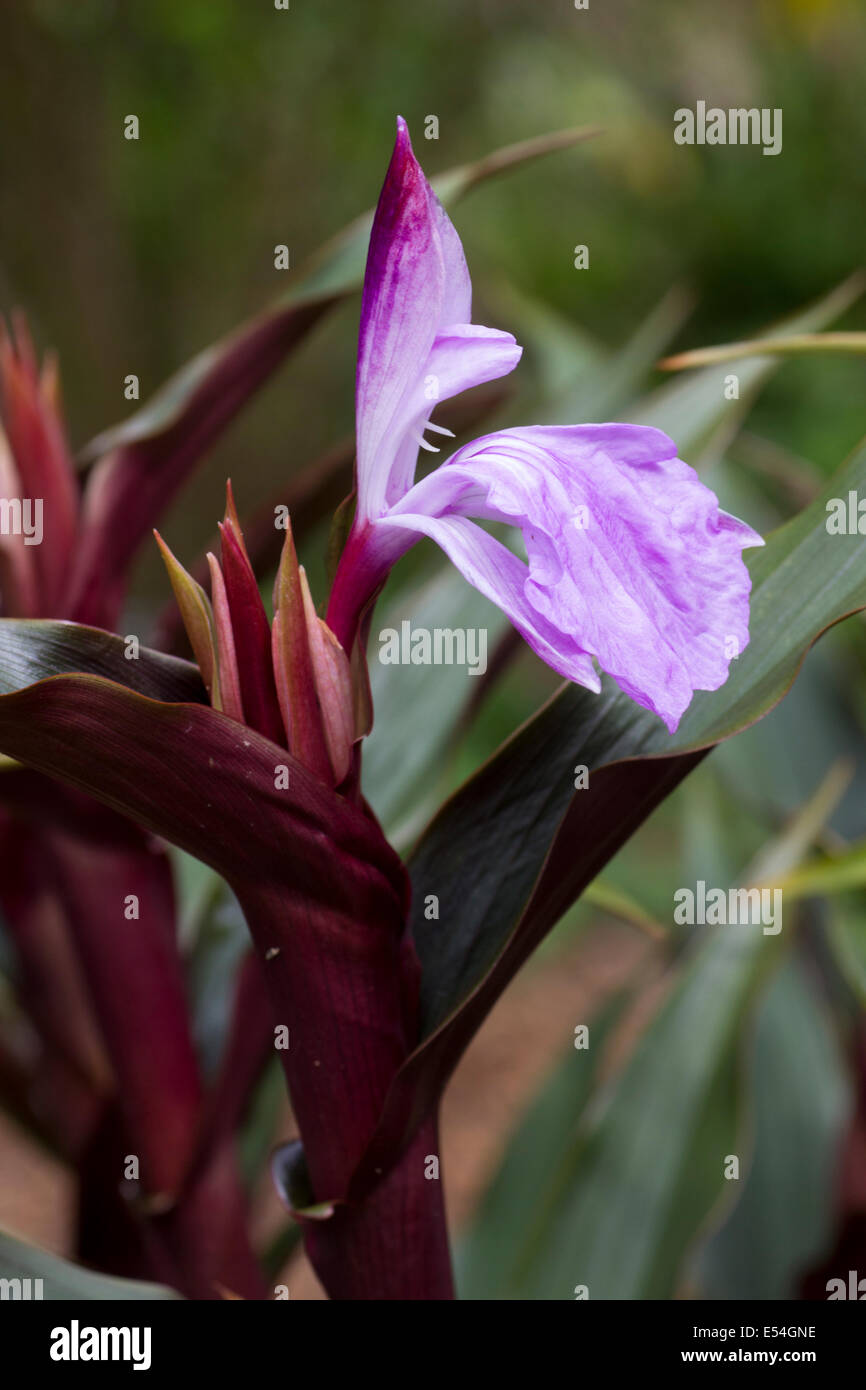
point(415, 317)
point(500, 576)
point(629, 557)
point(404, 287)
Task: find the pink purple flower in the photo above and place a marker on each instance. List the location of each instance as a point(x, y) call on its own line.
point(631, 566)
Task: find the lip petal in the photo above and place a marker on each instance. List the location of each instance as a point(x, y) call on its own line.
point(498, 574)
point(630, 559)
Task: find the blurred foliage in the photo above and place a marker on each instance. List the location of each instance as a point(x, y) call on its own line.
point(260, 127)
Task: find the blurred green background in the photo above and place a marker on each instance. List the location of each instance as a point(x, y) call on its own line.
point(261, 127)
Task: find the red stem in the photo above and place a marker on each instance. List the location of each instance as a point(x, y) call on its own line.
point(345, 985)
point(394, 1244)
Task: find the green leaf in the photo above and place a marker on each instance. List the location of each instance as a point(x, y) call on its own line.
point(790, 346)
point(778, 860)
point(800, 1102)
point(586, 384)
point(620, 1202)
point(847, 937)
point(696, 411)
point(265, 1113)
point(66, 1282)
point(612, 900)
point(831, 874)
point(489, 1257)
point(819, 719)
point(222, 941)
point(417, 707)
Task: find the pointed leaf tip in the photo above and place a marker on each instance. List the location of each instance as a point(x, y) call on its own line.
point(333, 677)
point(227, 661)
point(198, 619)
point(293, 667)
point(232, 521)
point(252, 638)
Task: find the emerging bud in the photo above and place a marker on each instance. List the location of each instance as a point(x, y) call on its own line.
point(291, 680)
point(333, 677)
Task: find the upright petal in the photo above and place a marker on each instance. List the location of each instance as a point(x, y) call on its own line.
point(404, 287)
point(630, 559)
point(462, 355)
point(416, 286)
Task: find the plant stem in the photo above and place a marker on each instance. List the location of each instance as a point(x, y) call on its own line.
point(344, 982)
point(394, 1244)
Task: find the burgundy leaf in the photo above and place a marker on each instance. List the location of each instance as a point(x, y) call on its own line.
point(252, 640)
point(121, 911)
point(323, 893)
point(51, 981)
point(131, 486)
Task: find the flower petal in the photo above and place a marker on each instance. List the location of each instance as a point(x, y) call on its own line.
point(416, 286)
point(404, 287)
point(463, 355)
point(629, 557)
point(501, 577)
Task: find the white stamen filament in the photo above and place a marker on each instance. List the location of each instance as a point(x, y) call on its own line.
point(424, 443)
point(439, 429)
